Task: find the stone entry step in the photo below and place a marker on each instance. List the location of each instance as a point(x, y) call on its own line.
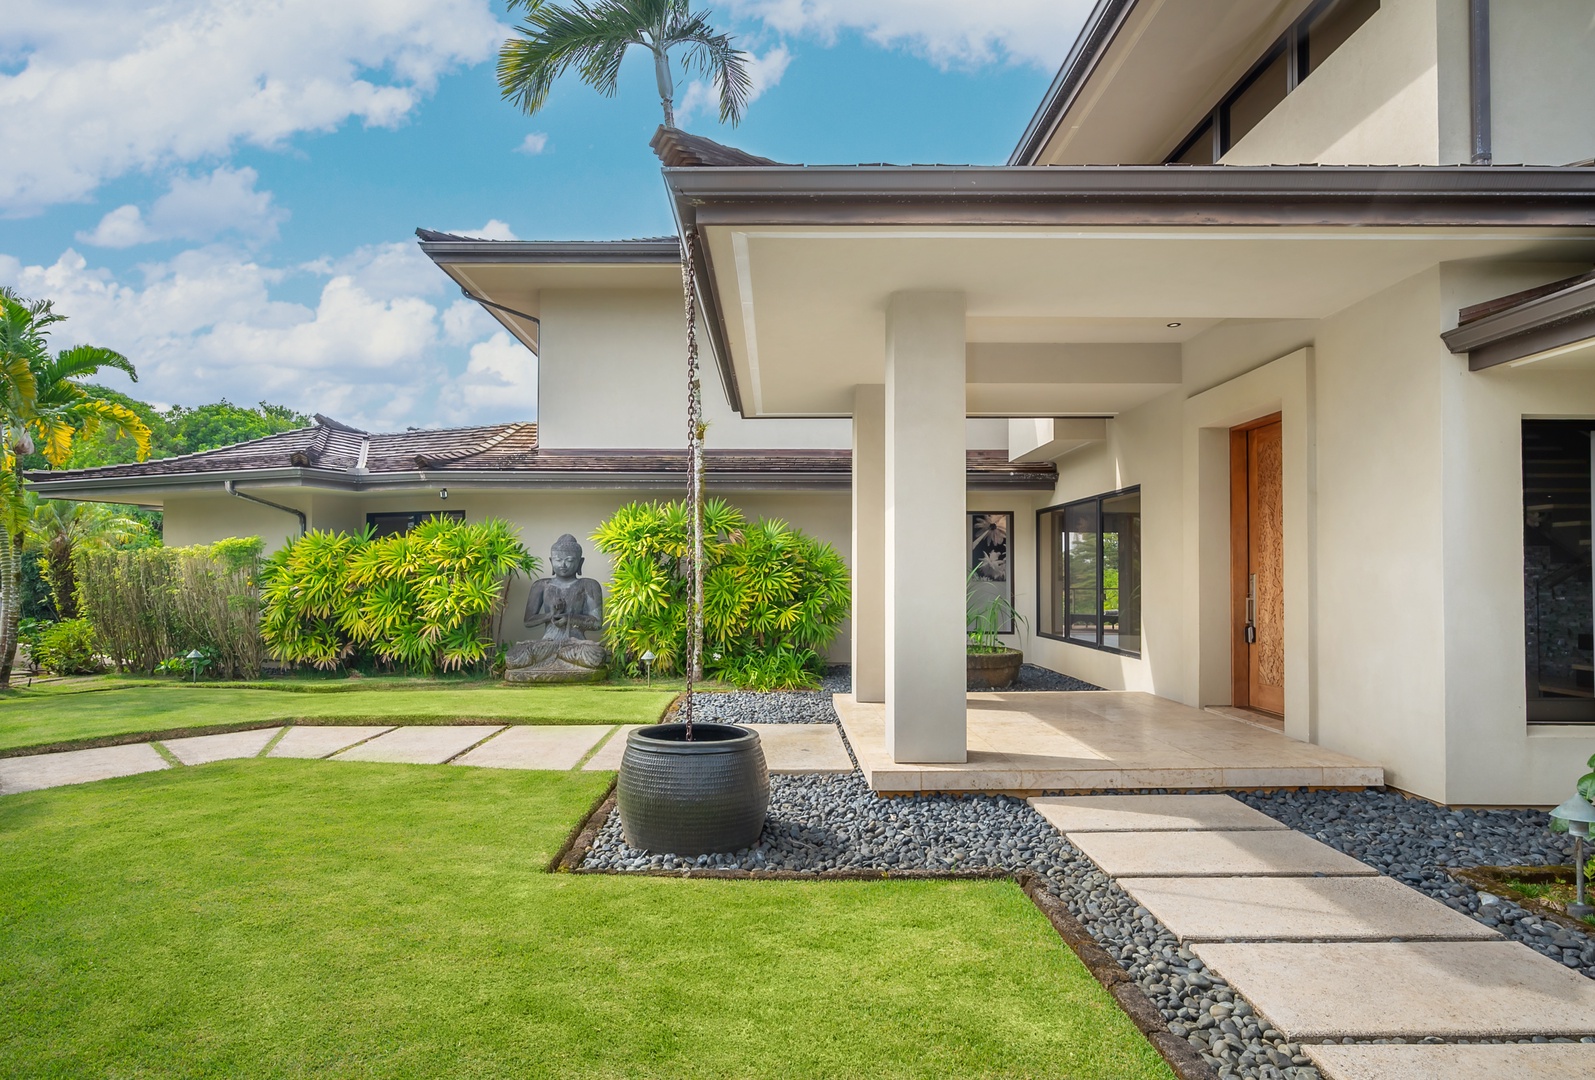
point(420, 745)
point(320, 742)
point(1151, 813)
point(1199, 909)
point(77, 767)
point(1449, 989)
point(1283, 853)
point(1467, 1061)
point(203, 749)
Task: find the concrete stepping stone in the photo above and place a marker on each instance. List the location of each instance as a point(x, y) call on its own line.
point(529, 746)
point(1300, 909)
point(1450, 989)
point(202, 749)
point(1150, 813)
point(421, 745)
point(609, 754)
point(1283, 853)
point(309, 741)
point(803, 748)
point(77, 767)
point(1452, 1061)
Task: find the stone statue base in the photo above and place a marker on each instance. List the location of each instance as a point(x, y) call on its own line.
point(556, 661)
point(555, 671)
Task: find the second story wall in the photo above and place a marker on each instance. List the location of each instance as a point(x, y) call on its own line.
point(612, 374)
point(1542, 74)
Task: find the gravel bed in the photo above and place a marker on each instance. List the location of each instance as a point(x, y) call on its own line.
point(1033, 677)
point(1415, 841)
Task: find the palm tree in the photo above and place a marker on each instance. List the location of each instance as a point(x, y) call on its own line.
point(58, 528)
point(593, 39)
point(43, 405)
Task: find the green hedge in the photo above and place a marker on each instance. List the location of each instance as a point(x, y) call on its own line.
point(147, 605)
point(424, 600)
point(773, 597)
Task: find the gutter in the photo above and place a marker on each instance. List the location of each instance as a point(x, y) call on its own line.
point(554, 252)
point(1101, 28)
point(1562, 319)
point(231, 487)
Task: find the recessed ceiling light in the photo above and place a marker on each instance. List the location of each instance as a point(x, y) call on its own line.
point(1172, 325)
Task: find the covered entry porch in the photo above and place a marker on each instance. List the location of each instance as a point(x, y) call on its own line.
point(1127, 322)
point(1098, 740)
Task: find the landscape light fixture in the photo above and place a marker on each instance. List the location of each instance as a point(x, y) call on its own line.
point(1578, 814)
point(194, 657)
point(648, 664)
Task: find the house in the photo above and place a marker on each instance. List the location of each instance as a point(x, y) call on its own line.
point(1293, 296)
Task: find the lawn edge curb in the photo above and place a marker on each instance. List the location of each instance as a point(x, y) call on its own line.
point(580, 839)
point(1185, 1062)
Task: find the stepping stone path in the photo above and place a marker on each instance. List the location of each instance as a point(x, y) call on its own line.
point(788, 748)
point(1328, 952)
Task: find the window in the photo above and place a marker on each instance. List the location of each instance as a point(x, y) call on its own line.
point(1090, 570)
point(1297, 53)
point(1558, 612)
point(386, 524)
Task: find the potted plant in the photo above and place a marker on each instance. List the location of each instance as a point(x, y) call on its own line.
point(991, 664)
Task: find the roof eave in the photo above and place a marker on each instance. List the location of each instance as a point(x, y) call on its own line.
point(554, 252)
point(1535, 326)
point(1101, 28)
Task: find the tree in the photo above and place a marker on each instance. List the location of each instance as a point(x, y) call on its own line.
point(593, 40)
point(43, 406)
point(57, 528)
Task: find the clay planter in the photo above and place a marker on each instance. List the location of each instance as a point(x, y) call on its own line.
point(994, 670)
point(692, 798)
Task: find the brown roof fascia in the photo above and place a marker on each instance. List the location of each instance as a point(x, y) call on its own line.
point(1541, 321)
point(1100, 29)
point(461, 250)
point(1118, 195)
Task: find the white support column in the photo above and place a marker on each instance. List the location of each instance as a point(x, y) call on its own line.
point(869, 543)
point(925, 503)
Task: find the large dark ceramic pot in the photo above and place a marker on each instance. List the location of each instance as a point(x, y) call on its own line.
point(692, 798)
point(994, 670)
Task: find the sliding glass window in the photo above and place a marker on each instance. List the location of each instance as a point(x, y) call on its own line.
point(1090, 572)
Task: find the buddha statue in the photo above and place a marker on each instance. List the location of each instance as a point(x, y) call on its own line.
point(566, 606)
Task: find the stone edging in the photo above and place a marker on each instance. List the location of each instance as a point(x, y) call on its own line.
point(1121, 987)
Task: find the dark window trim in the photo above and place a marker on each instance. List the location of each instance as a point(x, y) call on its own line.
point(1041, 592)
point(1294, 44)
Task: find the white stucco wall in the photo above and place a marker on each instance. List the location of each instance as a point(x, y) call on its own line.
point(1375, 100)
point(1542, 54)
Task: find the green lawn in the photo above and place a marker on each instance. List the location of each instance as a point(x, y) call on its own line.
point(60, 713)
point(288, 918)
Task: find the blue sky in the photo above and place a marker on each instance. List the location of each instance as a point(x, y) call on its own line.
point(243, 229)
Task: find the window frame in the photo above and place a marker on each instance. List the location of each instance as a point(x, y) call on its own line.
point(1043, 594)
point(1215, 123)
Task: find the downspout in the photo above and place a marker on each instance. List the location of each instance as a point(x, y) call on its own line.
point(231, 487)
point(1479, 79)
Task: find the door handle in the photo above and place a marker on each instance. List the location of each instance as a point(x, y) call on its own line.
point(1251, 609)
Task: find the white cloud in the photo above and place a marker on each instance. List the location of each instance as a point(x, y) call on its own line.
point(764, 72)
point(195, 208)
point(493, 230)
point(1037, 32)
point(534, 143)
point(375, 347)
point(94, 90)
point(499, 383)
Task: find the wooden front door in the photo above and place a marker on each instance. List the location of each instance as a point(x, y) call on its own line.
point(1257, 565)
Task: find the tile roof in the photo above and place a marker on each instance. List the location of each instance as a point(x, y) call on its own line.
point(336, 455)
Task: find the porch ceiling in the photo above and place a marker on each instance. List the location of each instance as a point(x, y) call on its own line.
point(1060, 321)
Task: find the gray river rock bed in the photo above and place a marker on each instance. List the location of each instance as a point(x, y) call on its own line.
point(821, 823)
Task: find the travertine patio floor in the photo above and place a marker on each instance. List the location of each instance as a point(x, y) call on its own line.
point(1100, 740)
